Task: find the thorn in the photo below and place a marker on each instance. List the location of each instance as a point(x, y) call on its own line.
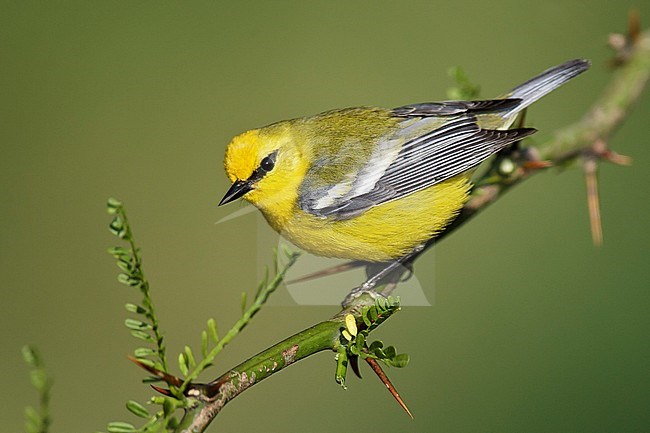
point(354, 363)
point(599, 149)
point(633, 26)
point(530, 166)
point(590, 166)
point(328, 271)
point(623, 44)
point(384, 379)
point(212, 388)
point(163, 391)
point(168, 378)
point(616, 158)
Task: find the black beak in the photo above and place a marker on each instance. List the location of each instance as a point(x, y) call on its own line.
point(238, 189)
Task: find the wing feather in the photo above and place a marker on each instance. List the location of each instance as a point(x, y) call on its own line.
point(424, 160)
point(451, 108)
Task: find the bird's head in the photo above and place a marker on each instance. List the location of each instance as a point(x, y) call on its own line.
point(266, 167)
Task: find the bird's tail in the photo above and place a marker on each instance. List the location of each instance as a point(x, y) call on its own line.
point(546, 82)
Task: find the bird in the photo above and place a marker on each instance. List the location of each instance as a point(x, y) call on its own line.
point(374, 184)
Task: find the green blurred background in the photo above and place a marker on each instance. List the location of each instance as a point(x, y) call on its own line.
point(531, 329)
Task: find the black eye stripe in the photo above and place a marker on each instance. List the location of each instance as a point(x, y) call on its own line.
point(267, 164)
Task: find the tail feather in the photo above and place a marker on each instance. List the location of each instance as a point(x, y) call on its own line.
point(546, 82)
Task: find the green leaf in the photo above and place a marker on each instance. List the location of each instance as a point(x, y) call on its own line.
point(182, 364)
point(290, 255)
point(399, 361)
point(124, 279)
point(276, 260)
point(204, 343)
point(142, 336)
point(360, 342)
point(119, 252)
point(191, 362)
point(136, 324)
point(32, 426)
point(243, 302)
point(30, 355)
point(125, 265)
point(143, 352)
point(120, 427)
point(351, 324)
point(151, 379)
point(117, 227)
point(375, 345)
point(259, 288)
point(157, 399)
point(341, 366)
point(132, 308)
point(372, 314)
point(113, 204)
point(39, 379)
point(148, 363)
point(212, 329)
point(364, 315)
point(129, 280)
point(32, 416)
point(390, 352)
point(137, 409)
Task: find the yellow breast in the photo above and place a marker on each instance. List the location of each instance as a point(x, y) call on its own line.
point(382, 233)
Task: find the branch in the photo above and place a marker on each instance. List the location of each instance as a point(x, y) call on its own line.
point(212, 397)
point(507, 170)
point(609, 111)
point(587, 136)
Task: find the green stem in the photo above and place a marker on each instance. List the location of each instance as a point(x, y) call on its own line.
point(246, 317)
point(146, 292)
point(323, 336)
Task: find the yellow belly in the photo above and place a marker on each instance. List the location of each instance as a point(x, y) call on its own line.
point(383, 233)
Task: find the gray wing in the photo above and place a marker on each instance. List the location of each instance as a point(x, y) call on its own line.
point(415, 163)
point(450, 108)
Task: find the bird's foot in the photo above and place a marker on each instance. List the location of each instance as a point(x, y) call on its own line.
point(363, 289)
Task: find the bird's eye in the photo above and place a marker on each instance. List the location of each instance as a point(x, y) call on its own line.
point(268, 163)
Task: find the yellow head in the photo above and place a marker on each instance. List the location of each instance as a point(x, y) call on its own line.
point(266, 167)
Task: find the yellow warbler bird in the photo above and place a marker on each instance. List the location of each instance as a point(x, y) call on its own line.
point(375, 184)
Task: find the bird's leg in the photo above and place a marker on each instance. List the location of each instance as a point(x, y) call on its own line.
point(372, 282)
point(397, 277)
